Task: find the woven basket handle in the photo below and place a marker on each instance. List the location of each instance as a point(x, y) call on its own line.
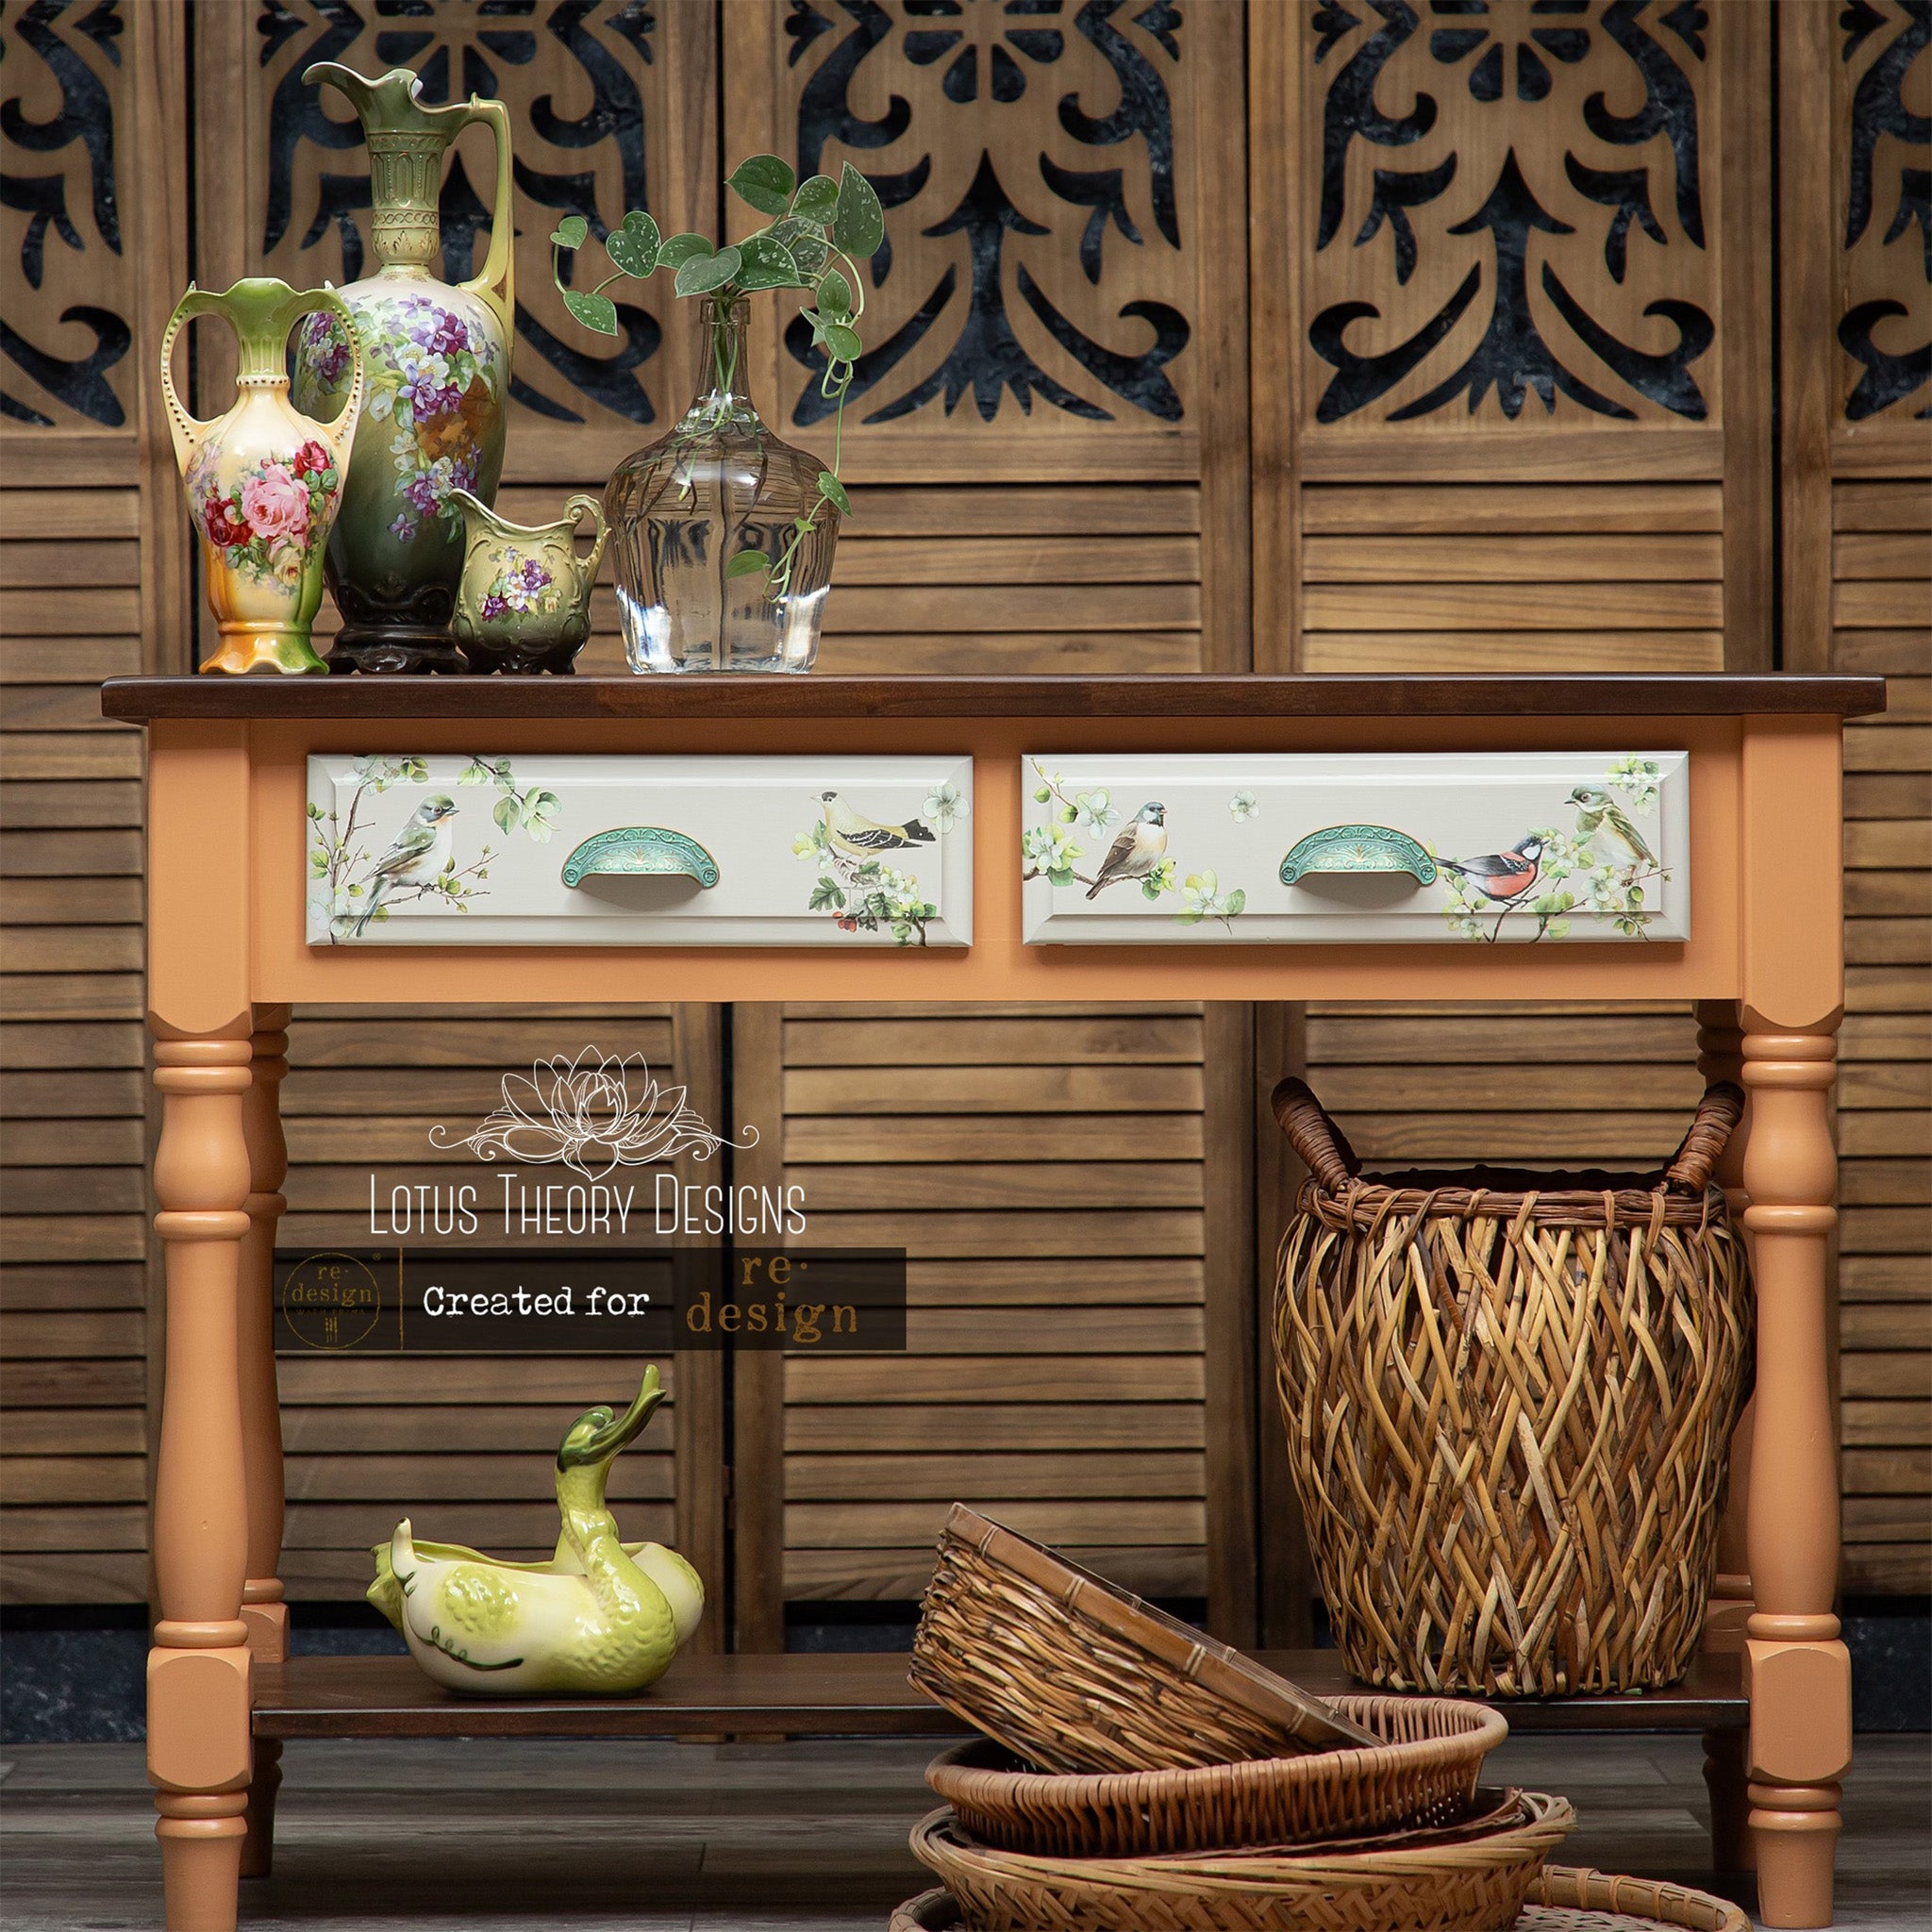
point(1323, 1146)
point(1715, 1121)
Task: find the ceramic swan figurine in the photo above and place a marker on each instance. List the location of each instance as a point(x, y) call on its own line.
point(601, 1617)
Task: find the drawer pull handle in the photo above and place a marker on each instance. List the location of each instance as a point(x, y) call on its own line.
point(1358, 848)
point(641, 849)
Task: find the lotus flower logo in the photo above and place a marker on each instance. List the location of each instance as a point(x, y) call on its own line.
point(593, 1113)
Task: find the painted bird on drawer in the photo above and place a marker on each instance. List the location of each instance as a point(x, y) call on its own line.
point(856, 835)
point(601, 1616)
point(1501, 876)
point(421, 850)
point(1597, 812)
point(1138, 847)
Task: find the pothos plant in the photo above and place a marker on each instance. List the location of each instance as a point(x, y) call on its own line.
point(820, 230)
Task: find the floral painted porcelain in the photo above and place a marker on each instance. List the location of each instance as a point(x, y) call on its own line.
point(601, 1617)
point(524, 602)
point(264, 482)
point(439, 379)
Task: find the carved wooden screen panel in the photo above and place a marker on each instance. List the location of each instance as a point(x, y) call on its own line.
point(1051, 408)
point(92, 577)
point(1520, 312)
point(611, 106)
point(1858, 417)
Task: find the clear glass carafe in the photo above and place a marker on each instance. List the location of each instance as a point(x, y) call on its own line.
point(682, 508)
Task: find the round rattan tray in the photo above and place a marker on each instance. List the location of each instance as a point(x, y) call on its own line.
point(1560, 1900)
point(1456, 1882)
point(1423, 1773)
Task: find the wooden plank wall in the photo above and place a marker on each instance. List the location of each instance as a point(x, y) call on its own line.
point(92, 563)
point(1857, 287)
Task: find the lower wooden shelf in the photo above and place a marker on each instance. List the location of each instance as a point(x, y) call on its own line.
point(837, 1695)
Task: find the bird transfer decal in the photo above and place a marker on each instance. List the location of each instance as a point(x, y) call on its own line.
point(1134, 855)
point(355, 885)
point(855, 883)
point(1604, 866)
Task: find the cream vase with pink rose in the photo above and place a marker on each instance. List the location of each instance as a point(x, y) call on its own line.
point(264, 481)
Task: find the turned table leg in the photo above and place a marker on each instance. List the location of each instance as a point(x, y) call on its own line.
point(1797, 1671)
point(262, 1609)
point(198, 1669)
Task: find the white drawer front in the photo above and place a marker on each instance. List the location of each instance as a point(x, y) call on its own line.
point(1408, 849)
point(535, 850)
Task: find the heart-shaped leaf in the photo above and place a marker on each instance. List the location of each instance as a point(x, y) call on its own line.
point(859, 226)
point(765, 182)
point(834, 295)
point(816, 200)
point(767, 264)
point(634, 247)
point(748, 562)
point(809, 251)
point(834, 493)
point(843, 343)
point(570, 232)
point(595, 311)
point(703, 272)
point(678, 249)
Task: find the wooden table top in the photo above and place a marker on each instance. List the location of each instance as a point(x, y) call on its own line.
point(845, 1694)
point(753, 697)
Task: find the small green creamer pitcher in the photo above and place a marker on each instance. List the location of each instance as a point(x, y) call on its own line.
point(524, 600)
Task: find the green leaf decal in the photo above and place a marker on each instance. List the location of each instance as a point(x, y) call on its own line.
point(634, 247)
point(765, 182)
point(679, 249)
point(703, 272)
point(816, 200)
point(570, 232)
point(506, 811)
point(748, 562)
point(859, 224)
point(595, 311)
point(834, 491)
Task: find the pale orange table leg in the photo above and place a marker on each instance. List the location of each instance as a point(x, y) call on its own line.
point(262, 1609)
point(1797, 1671)
point(198, 1669)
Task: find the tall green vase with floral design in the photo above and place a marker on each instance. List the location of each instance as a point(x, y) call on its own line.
point(438, 380)
point(264, 482)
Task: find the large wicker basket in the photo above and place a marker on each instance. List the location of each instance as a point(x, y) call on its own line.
point(1450, 1883)
point(1510, 1400)
point(1071, 1675)
point(1561, 1900)
point(1423, 1773)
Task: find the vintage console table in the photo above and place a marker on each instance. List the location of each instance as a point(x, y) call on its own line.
point(1751, 813)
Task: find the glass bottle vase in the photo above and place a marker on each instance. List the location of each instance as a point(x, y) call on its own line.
point(680, 509)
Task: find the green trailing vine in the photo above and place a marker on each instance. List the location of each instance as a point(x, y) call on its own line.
point(820, 230)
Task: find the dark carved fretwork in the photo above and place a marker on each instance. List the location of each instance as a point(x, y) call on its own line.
point(76, 44)
point(494, 49)
point(1610, 88)
point(1083, 90)
point(1888, 148)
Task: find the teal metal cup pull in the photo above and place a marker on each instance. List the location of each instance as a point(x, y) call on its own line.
point(1356, 849)
point(641, 849)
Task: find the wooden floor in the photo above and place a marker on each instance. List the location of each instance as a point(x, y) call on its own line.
point(595, 1835)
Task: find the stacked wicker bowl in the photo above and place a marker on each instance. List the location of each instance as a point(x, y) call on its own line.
point(1136, 1778)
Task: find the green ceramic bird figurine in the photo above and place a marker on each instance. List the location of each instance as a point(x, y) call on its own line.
point(602, 1617)
point(1596, 810)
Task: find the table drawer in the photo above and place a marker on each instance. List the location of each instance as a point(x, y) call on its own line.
point(534, 850)
point(1405, 849)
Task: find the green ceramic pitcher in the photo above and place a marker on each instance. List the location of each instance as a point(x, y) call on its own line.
point(524, 603)
point(264, 482)
point(438, 380)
